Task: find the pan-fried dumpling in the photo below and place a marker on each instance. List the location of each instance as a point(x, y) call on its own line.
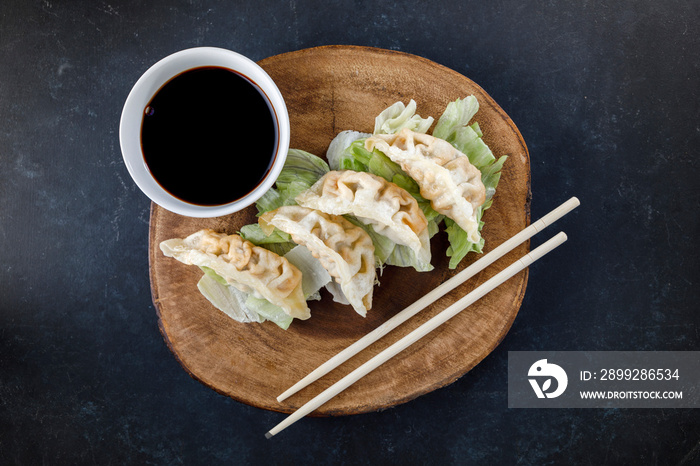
point(247, 267)
point(390, 209)
point(445, 176)
point(345, 250)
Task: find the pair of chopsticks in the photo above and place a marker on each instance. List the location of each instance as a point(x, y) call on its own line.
point(431, 324)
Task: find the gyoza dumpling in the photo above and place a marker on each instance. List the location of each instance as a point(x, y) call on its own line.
point(345, 250)
point(247, 267)
point(390, 209)
point(445, 176)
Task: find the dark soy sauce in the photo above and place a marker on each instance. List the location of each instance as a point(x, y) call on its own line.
point(208, 136)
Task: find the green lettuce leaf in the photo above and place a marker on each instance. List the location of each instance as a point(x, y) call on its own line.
point(213, 275)
point(338, 145)
point(355, 157)
point(490, 176)
point(245, 307)
point(399, 116)
point(226, 298)
point(460, 245)
point(313, 275)
point(403, 256)
point(457, 115)
point(241, 307)
point(278, 241)
point(301, 170)
point(383, 246)
point(269, 311)
point(386, 252)
point(453, 126)
point(271, 200)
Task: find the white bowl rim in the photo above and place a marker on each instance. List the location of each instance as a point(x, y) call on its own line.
point(152, 80)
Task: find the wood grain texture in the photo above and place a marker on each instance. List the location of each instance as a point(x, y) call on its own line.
point(327, 90)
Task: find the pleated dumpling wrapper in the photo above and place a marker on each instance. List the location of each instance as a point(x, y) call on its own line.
point(444, 174)
point(249, 268)
point(345, 250)
point(390, 209)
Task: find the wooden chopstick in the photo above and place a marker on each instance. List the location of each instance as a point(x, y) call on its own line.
point(418, 333)
point(432, 296)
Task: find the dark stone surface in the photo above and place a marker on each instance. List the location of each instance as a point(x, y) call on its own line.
point(606, 97)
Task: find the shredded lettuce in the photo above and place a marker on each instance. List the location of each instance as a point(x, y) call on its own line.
point(453, 126)
point(268, 311)
point(241, 307)
point(226, 298)
point(399, 116)
point(490, 176)
point(457, 115)
point(301, 170)
point(339, 144)
point(354, 156)
point(314, 275)
point(213, 275)
point(460, 245)
point(403, 256)
point(386, 252)
point(278, 241)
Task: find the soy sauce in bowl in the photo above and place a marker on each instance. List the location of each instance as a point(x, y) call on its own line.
point(209, 136)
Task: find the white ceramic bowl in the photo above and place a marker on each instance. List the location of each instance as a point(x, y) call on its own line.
point(147, 86)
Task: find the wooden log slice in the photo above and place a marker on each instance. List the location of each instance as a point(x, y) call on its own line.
point(327, 90)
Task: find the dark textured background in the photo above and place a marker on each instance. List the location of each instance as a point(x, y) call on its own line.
point(606, 97)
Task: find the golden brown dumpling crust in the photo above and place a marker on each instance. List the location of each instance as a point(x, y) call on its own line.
point(390, 209)
point(346, 251)
point(249, 268)
point(445, 176)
